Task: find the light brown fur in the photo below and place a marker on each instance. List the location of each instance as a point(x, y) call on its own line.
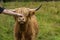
point(29, 30)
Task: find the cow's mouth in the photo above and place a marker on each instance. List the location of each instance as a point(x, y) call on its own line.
point(21, 22)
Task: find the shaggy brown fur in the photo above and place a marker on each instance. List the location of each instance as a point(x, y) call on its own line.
point(29, 29)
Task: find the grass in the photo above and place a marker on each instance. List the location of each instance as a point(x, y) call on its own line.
point(48, 19)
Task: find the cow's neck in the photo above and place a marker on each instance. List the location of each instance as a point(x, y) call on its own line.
point(22, 27)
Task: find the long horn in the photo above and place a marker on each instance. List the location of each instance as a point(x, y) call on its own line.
point(38, 7)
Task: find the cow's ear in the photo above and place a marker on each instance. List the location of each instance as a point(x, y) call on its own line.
point(31, 13)
point(14, 10)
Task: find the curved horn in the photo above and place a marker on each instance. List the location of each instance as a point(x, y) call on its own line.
point(38, 7)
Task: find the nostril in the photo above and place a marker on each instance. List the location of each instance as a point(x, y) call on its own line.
point(23, 19)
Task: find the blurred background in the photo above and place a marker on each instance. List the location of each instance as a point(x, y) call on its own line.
point(48, 18)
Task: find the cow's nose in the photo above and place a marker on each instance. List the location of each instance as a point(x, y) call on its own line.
point(21, 17)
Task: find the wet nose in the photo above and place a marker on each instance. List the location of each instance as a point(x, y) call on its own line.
point(21, 17)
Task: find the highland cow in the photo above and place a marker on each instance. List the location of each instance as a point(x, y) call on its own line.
point(26, 26)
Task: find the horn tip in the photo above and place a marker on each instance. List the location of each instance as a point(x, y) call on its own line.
point(39, 7)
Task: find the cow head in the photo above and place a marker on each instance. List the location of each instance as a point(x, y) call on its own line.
point(25, 14)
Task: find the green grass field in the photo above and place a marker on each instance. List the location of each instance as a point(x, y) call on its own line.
point(48, 19)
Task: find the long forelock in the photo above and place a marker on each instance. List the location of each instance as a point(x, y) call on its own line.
point(22, 9)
